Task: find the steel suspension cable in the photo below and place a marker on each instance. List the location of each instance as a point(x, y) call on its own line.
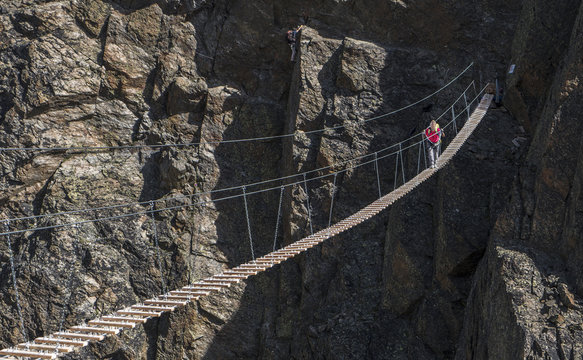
point(404, 107)
point(227, 197)
point(263, 182)
point(262, 138)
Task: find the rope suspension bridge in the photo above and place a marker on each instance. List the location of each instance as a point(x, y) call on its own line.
point(71, 339)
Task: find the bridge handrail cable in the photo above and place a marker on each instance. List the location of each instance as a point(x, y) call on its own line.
point(262, 138)
point(238, 187)
point(145, 212)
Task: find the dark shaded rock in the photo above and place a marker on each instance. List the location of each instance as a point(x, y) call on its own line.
point(185, 95)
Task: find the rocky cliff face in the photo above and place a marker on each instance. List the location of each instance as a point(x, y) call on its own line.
point(406, 284)
point(533, 265)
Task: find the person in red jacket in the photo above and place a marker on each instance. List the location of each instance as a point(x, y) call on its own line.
point(433, 134)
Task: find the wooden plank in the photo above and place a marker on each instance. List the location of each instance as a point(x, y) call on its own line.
point(250, 264)
point(28, 353)
point(70, 335)
point(61, 349)
point(184, 292)
point(116, 324)
point(97, 330)
point(75, 343)
point(165, 302)
point(289, 251)
point(153, 308)
point(244, 272)
point(140, 313)
point(213, 280)
point(177, 297)
point(180, 297)
point(204, 288)
point(252, 267)
point(226, 276)
point(125, 319)
point(269, 261)
point(286, 254)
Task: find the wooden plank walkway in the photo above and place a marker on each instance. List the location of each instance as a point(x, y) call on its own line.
point(96, 330)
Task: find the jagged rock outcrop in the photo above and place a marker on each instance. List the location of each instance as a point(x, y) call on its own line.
point(529, 280)
point(404, 285)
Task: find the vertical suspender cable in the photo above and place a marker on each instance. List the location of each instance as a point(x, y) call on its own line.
point(467, 107)
point(308, 205)
point(278, 216)
point(419, 156)
point(424, 152)
point(376, 165)
point(402, 163)
point(439, 144)
point(16, 294)
point(155, 229)
point(453, 118)
point(248, 223)
point(332, 203)
point(396, 170)
point(193, 241)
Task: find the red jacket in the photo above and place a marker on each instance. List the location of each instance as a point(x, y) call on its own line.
point(433, 137)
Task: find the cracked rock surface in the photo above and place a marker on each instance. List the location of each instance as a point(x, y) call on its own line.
point(483, 261)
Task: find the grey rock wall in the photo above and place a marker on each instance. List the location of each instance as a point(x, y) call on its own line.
point(529, 283)
point(404, 285)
